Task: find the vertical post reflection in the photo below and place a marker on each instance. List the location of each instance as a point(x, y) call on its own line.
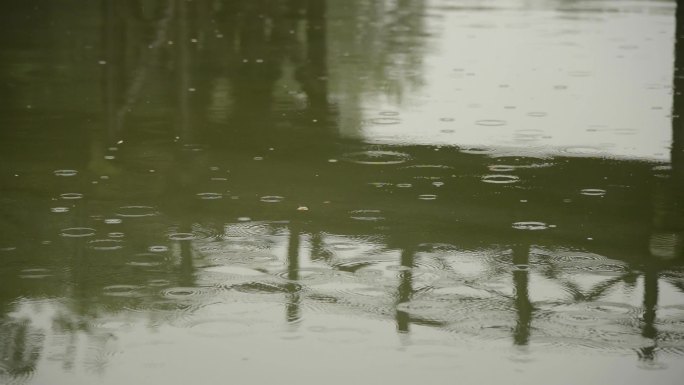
point(649, 317)
point(293, 312)
point(677, 152)
point(405, 291)
point(183, 70)
point(314, 79)
point(523, 306)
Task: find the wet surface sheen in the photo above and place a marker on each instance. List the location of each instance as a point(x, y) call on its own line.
point(341, 192)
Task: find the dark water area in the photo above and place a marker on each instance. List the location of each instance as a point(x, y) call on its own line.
point(310, 191)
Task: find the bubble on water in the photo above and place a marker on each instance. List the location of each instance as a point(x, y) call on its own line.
point(376, 157)
point(404, 185)
point(158, 249)
point(209, 195)
point(136, 211)
point(78, 232)
point(59, 209)
point(537, 114)
point(427, 197)
point(272, 199)
point(116, 234)
point(366, 215)
point(385, 121)
point(500, 178)
point(332, 160)
point(258, 158)
point(71, 196)
point(65, 172)
point(490, 122)
point(531, 225)
point(593, 192)
point(438, 184)
point(244, 219)
point(106, 244)
point(112, 221)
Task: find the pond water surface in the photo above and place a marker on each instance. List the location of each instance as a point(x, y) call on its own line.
point(307, 192)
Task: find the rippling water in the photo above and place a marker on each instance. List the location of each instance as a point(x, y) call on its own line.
point(341, 191)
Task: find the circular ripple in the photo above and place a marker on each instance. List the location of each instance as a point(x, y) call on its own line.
point(181, 236)
point(59, 209)
point(121, 290)
point(366, 215)
point(272, 199)
point(136, 211)
point(146, 260)
point(376, 157)
point(186, 292)
point(78, 232)
point(490, 122)
point(65, 172)
point(209, 195)
point(384, 121)
point(158, 249)
point(531, 225)
point(501, 168)
point(537, 114)
point(388, 113)
point(579, 150)
point(500, 179)
point(476, 151)
point(267, 287)
point(245, 229)
point(106, 244)
point(71, 196)
point(427, 197)
point(593, 192)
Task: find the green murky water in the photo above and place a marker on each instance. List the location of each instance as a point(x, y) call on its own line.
point(341, 192)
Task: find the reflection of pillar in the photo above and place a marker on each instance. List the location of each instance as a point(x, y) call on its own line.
point(314, 80)
point(293, 311)
point(678, 98)
point(650, 303)
point(20, 349)
point(187, 269)
point(405, 291)
point(667, 242)
point(112, 82)
point(184, 87)
point(523, 306)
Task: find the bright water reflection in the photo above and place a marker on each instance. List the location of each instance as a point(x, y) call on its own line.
point(308, 191)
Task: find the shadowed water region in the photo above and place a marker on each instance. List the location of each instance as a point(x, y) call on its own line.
point(311, 191)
